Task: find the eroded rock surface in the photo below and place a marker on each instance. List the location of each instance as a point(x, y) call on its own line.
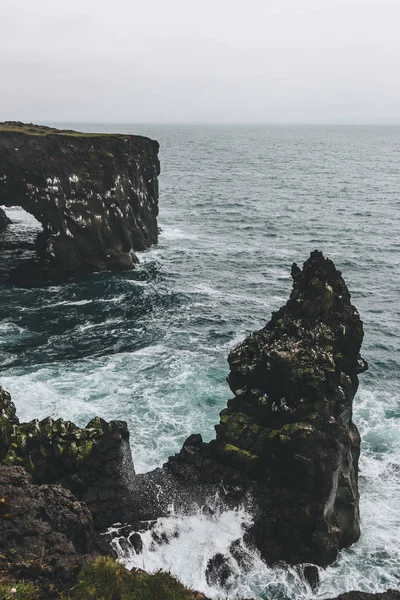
point(4, 221)
point(287, 438)
point(286, 444)
point(94, 462)
point(389, 595)
point(96, 195)
point(45, 532)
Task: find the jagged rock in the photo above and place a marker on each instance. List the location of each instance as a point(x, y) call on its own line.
point(218, 571)
point(389, 595)
point(286, 445)
point(96, 195)
point(4, 221)
point(287, 438)
point(311, 575)
point(45, 532)
point(94, 462)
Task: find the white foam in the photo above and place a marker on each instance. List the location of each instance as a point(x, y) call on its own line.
point(371, 565)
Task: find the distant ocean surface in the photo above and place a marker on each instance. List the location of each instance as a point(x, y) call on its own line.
point(238, 204)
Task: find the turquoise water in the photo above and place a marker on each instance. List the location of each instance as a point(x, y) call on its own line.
point(238, 205)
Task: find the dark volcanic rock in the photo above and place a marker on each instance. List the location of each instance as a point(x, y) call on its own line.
point(4, 221)
point(286, 444)
point(44, 530)
point(287, 439)
point(389, 595)
point(96, 195)
point(94, 462)
point(311, 575)
point(218, 570)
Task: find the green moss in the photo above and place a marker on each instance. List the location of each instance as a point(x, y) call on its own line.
point(10, 458)
point(32, 444)
point(241, 431)
point(42, 131)
point(292, 428)
point(240, 454)
point(284, 439)
point(84, 450)
point(106, 579)
point(21, 590)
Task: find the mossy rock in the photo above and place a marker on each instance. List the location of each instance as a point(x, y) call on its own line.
point(106, 579)
point(240, 458)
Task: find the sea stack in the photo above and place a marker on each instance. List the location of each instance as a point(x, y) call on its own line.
point(287, 440)
point(96, 195)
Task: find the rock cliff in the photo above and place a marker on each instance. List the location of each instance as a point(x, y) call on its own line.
point(45, 532)
point(94, 462)
point(4, 221)
point(286, 445)
point(287, 438)
point(96, 195)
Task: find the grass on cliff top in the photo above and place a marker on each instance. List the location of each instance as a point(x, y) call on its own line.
point(43, 130)
point(106, 579)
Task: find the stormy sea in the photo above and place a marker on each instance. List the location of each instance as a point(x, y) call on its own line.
point(238, 204)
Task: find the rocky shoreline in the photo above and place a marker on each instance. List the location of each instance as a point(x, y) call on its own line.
point(286, 447)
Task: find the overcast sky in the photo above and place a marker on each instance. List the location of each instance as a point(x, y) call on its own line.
point(273, 61)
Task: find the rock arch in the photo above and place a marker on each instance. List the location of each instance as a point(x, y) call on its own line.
point(96, 195)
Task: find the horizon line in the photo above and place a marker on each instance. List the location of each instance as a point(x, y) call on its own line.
point(222, 123)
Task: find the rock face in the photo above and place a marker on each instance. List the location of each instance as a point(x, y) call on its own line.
point(44, 530)
point(4, 221)
point(95, 462)
point(389, 595)
point(96, 195)
point(287, 438)
point(286, 444)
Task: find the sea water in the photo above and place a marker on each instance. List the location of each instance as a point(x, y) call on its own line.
point(237, 206)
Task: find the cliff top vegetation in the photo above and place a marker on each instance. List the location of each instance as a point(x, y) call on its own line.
point(43, 130)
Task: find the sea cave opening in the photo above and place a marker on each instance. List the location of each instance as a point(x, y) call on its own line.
point(20, 234)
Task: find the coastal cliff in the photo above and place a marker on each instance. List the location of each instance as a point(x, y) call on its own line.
point(286, 444)
point(96, 195)
point(286, 447)
point(94, 462)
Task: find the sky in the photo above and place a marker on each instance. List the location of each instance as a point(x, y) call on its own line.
point(200, 61)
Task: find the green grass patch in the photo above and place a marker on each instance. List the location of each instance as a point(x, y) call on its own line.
point(106, 579)
point(19, 591)
point(43, 130)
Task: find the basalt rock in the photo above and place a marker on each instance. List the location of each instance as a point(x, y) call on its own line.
point(45, 532)
point(287, 441)
point(4, 221)
point(96, 195)
point(389, 595)
point(94, 462)
point(286, 444)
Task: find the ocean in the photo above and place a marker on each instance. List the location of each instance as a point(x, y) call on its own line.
point(238, 204)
